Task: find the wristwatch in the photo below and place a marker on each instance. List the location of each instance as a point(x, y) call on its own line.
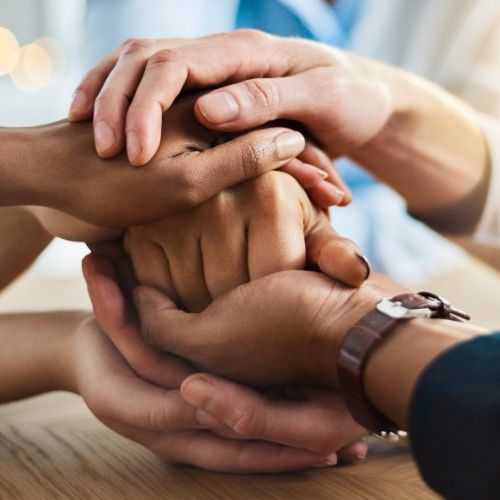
point(361, 340)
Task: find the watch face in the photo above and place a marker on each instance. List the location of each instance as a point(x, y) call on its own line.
point(396, 310)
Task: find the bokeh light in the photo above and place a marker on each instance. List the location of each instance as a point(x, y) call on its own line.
point(9, 51)
point(56, 53)
point(34, 68)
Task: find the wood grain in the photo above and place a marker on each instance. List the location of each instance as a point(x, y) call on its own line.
point(51, 447)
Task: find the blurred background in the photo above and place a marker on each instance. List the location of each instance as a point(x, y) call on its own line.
point(47, 45)
point(40, 65)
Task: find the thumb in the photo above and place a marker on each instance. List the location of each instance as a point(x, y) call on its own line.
point(162, 324)
point(338, 257)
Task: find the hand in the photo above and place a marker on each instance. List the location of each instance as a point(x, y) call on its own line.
point(192, 165)
point(385, 119)
point(313, 426)
point(285, 328)
point(342, 99)
point(246, 232)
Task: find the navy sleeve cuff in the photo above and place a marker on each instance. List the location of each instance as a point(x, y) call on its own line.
point(455, 421)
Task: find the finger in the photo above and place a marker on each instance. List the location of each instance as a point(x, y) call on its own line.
point(113, 100)
point(253, 102)
point(130, 400)
point(205, 450)
point(315, 182)
point(113, 315)
point(143, 252)
point(82, 105)
point(245, 157)
point(320, 423)
point(162, 81)
point(188, 278)
point(276, 237)
point(353, 452)
point(337, 257)
point(224, 249)
point(164, 326)
point(121, 262)
point(313, 155)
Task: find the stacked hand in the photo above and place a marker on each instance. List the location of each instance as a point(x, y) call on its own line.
point(136, 391)
point(204, 254)
point(342, 100)
point(257, 228)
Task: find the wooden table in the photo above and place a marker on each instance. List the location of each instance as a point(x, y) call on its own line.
point(51, 447)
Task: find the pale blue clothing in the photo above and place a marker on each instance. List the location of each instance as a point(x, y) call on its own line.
point(377, 220)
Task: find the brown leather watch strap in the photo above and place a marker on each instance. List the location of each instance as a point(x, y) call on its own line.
point(364, 336)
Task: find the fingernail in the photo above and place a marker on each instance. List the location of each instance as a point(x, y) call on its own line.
point(88, 270)
point(205, 419)
point(366, 262)
point(104, 137)
point(133, 147)
point(218, 107)
point(330, 461)
point(320, 172)
point(289, 144)
point(362, 455)
point(198, 392)
point(335, 195)
point(79, 102)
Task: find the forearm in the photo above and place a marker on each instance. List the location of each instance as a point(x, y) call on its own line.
point(35, 355)
point(22, 239)
point(432, 150)
point(42, 165)
point(19, 166)
point(396, 365)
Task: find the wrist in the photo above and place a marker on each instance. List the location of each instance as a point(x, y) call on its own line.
point(18, 149)
point(36, 353)
point(412, 143)
point(62, 371)
point(346, 310)
point(394, 368)
point(29, 172)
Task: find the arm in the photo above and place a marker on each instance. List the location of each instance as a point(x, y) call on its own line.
point(35, 355)
point(437, 378)
point(23, 239)
point(67, 351)
point(56, 166)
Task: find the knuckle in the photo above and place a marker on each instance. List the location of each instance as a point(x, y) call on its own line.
point(251, 159)
point(188, 189)
point(250, 35)
point(163, 56)
point(160, 419)
point(135, 45)
point(263, 93)
point(104, 97)
point(331, 85)
point(271, 187)
point(247, 423)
